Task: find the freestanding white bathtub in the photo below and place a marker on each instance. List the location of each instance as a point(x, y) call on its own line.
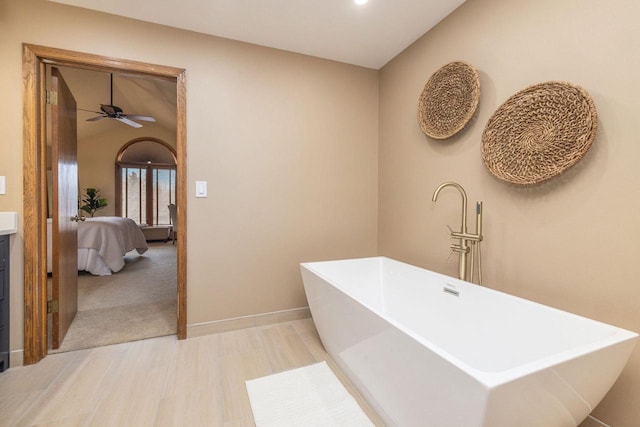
point(428, 350)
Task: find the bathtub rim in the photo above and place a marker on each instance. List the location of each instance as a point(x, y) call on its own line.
point(489, 379)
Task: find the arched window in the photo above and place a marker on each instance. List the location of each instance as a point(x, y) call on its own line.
point(146, 181)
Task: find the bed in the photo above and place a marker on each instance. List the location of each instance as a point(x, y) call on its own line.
point(102, 244)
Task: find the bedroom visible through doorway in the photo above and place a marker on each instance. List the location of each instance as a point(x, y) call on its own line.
point(130, 294)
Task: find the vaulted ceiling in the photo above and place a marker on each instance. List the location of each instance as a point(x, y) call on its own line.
point(133, 94)
point(368, 35)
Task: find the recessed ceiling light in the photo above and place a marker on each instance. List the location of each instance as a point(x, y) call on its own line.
point(360, 1)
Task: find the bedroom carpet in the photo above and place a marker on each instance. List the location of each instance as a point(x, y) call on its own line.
point(135, 303)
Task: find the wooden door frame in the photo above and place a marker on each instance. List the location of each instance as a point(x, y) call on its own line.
point(34, 59)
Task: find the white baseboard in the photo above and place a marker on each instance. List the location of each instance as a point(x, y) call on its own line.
point(208, 328)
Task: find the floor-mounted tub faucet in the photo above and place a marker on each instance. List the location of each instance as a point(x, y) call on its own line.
point(468, 243)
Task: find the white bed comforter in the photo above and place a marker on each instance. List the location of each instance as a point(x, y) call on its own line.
point(103, 242)
point(112, 237)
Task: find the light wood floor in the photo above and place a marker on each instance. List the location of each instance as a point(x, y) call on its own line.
point(160, 381)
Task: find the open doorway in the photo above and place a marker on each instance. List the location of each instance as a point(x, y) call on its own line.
point(126, 261)
point(35, 59)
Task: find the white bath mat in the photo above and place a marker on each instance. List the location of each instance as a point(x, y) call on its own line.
point(311, 396)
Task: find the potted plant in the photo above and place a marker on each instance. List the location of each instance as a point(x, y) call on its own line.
point(92, 201)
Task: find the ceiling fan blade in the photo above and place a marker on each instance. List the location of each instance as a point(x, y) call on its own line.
point(143, 118)
point(93, 119)
point(129, 122)
point(89, 111)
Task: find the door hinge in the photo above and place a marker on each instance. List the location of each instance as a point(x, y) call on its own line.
point(52, 98)
point(52, 306)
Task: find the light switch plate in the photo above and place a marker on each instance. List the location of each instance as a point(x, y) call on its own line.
point(201, 188)
point(3, 185)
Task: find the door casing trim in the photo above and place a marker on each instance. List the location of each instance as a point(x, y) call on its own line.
point(34, 59)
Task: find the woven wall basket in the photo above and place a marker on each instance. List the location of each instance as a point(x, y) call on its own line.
point(448, 100)
point(539, 132)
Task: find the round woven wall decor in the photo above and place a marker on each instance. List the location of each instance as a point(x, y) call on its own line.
point(449, 99)
point(539, 132)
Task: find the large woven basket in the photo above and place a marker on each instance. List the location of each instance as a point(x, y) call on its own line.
point(449, 99)
point(539, 132)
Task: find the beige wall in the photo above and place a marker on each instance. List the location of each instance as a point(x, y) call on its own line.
point(288, 144)
point(570, 243)
point(97, 156)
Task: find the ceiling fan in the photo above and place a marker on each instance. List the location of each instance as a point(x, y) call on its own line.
point(111, 111)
